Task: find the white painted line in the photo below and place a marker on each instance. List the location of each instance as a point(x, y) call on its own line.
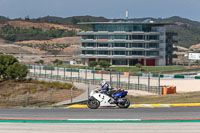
point(104, 119)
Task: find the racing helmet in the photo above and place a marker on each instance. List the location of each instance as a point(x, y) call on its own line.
point(103, 83)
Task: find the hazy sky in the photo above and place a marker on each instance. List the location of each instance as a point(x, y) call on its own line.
point(107, 8)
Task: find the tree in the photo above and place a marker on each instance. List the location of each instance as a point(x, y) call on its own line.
point(39, 62)
point(5, 62)
point(57, 62)
point(11, 69)
point(93, 64)
point(104, 64)
point(17, 71)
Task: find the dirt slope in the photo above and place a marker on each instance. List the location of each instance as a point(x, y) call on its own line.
point(45, 26)
point(67, 40)
point(196, 46)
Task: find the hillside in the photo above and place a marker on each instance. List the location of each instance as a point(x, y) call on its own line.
point(70, 20)
point(63, 40)
point(188, 30)
point(40, 25)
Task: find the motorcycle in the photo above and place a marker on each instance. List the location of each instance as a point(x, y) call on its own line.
point(112, 99)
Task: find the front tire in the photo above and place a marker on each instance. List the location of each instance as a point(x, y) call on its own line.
point(125, 104)
point(93, 103)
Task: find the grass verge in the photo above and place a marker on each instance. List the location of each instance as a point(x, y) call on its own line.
point(192, 97)
point(14, 93)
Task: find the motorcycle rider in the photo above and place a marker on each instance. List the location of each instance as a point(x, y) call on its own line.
point(104, 87)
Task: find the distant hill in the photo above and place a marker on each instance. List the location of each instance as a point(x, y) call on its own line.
point(70, 20)
point(188, 30)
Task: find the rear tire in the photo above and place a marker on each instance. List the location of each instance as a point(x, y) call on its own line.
point(125, 104)
point(93, 103)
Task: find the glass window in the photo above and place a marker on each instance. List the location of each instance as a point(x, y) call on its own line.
point(137, 45)
point(146, 28)
point(88, 52)
point(119, 45)
point(137, 52)
point(137, 37)
point(88, 44)
point(119, 62)
point(153, 53)
point(153, 37)
point(90, 37)
point(119, 37)
point(120, 27)
point(103, 52)
point(103, 44)
point(119, 53)
point(153, 45)
point(102, 36)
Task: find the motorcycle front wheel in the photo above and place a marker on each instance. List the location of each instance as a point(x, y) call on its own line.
point(93, 103)
point(125, 104)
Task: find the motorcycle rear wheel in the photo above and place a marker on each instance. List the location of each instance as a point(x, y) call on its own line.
point(93, 103)
point(125, 104)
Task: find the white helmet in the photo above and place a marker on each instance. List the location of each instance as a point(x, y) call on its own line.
point(103, 82)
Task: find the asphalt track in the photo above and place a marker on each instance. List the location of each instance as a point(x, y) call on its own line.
point(105, 113)
point(14, 126)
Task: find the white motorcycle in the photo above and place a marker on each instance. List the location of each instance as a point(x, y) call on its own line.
point(112, 98)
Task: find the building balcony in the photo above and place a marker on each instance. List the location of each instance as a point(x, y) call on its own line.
point(119, 33)
point(120, 56)
point(120, 41)
point(120, 48)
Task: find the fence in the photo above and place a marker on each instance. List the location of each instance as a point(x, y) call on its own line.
point(116, 79)
point(47, 97)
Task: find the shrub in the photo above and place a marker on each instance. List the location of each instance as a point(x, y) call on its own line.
point(104, 64)
point(139, 66)
point(93, 64)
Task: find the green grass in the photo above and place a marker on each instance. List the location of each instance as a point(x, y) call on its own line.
point(192, 97)
point(147, 68)
point(131, 68)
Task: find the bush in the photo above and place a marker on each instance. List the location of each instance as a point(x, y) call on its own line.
point(57, 62)
point(93, 64)
point(11, 69)
point(139, 66)
point(104, 64)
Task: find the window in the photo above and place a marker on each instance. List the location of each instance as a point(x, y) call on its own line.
point(103, 44)
point(153, 45)
point(90, 37)
point(152, 53)
point(137, 53)
point(119, 37)
point(103, 52)
point(119, 45)
point(119, 53)
point(153, 37)
point(146, 28)
point(137, 37)
point(88, 44)
point(103, 37)
point(88, 52)
point(119, 62)
point(137, 45)
point(117, 27)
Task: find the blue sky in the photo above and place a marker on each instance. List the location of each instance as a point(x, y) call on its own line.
point(107, 8)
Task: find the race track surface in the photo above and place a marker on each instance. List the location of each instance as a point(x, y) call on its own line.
point(105, 113)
